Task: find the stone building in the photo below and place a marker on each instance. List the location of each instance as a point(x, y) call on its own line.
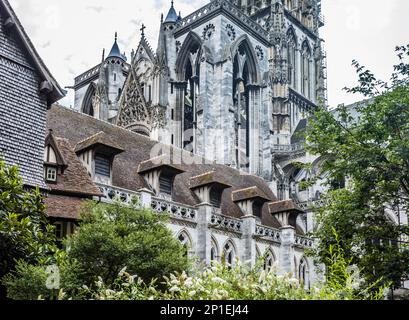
point(215, 210)
point(233, 82)
point(27, 90)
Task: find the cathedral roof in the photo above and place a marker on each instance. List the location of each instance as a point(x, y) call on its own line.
point(172, 15)
point(115, 52)
point(76, 127)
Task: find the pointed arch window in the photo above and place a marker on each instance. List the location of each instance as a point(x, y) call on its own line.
point(291, 58)
point(88, 102)
point(192, 76)
point(186, 242)
point(244, 74)
point(306, 70)
point(269, 261)
point(214, 251)
point(188, 72)
point(304, 274)
point(229, 254)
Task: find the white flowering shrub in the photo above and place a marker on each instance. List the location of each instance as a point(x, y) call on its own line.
point(239, 282)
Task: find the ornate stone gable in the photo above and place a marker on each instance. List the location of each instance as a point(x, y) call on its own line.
point(136, 114)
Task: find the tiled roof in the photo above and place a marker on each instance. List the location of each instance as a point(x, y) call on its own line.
point(249, 193)
point(207, 178)
point(63, 207)
point(75, 179)
point(76, 127)
point(283, 206)
point(101, 138)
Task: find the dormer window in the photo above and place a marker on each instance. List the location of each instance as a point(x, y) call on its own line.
point(209, 188)
point(160, 175)
point(97, 154)
point(251, 201)
point(54, 163)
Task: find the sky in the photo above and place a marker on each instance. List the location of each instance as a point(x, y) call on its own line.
point(70, 35)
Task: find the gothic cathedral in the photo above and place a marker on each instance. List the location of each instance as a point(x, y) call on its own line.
point(232, 82)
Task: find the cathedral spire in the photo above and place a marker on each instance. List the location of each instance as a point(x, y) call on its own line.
point(115, 51)
point(172, 16)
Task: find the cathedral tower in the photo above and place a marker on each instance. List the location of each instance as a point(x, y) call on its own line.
point(98, 90)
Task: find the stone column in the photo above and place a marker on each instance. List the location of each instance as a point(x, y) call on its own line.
point(204, 235)
point(145, 199)
point(249, 230)
point(286, 260)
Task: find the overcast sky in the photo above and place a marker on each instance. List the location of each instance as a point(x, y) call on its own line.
point(70, 35)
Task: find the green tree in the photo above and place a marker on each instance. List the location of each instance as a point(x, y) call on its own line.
point(24, 231)
point(373, 153)
point(113, 236)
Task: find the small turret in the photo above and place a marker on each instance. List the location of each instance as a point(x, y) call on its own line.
point(115, 51)
point(172, 16)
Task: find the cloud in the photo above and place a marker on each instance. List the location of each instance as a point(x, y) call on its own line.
point(46, 44)
point(97, 9)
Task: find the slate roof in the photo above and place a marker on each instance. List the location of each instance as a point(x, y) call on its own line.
point(212, 177)
point(75, 179)
point(115, 52)
point(283, 206)
point(76, 127)
point(98, 139)
point(172, 15)
point(57, 92)
point(250, 193)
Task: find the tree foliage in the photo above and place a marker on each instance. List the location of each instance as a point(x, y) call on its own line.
point(24, 231)
point(112, 237)
point(373, 153)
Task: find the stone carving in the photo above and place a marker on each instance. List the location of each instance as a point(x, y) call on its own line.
point(259, 53)
point(208, 31)
point(231, 33)
point(135, 111)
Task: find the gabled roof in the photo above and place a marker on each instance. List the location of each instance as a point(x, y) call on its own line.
point(50, 140)
point(147, 50)
point(50, 86)
point(284, 206)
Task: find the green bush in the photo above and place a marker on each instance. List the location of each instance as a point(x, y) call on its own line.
point(24, 230)
point(112, 237)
